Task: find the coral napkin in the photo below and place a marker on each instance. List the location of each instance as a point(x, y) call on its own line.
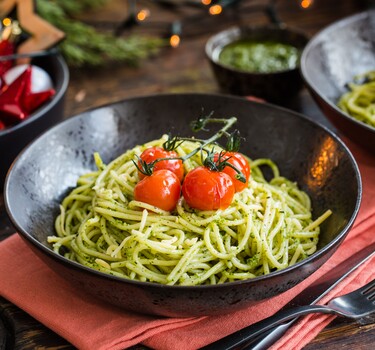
point(91, 324)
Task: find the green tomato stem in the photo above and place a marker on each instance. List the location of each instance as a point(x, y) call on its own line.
point(147, 168)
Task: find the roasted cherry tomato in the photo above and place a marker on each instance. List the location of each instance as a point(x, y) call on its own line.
point(240, 162)
point(162, 189)
point(174, 165)
point(206, 189)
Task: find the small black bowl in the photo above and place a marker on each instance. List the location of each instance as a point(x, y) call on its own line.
point(331, 59)
point(305, 152)
point(276, 87)
point(15, 138)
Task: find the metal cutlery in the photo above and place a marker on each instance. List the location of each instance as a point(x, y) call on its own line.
point(311, 295)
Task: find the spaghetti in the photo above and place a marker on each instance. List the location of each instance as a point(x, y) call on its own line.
point(267, 227)
point(359, 102)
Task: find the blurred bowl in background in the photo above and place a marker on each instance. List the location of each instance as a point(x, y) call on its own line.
point(15, 138)
point(330, 61)
point(278, 86)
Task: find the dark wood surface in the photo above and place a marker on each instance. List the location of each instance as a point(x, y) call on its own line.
point(183, 69)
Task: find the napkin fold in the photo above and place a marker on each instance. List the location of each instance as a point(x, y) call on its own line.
point(89, 323)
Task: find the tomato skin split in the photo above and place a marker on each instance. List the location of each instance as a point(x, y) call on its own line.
point(206, 189)
point(153, 153)
point(162, 189)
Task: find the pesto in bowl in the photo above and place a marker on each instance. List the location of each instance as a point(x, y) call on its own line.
point(259, 56)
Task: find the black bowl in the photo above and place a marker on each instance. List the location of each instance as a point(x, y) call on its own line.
point(15, 138)
point(306, 152)
point(331, 59)
point(278, 87)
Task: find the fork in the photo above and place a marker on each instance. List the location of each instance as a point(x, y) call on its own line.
point(358, 305)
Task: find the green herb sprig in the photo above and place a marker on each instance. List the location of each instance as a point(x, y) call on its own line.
point(85, 45)
point(233, 145)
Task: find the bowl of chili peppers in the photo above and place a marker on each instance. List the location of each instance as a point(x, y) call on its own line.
point(25, 114)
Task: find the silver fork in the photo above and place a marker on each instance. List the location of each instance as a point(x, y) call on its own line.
point(358, 305)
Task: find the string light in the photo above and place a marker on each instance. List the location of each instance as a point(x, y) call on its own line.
point(306, 3)
point(143, 14)
point(7, 22)
point(174, 40)
point(215, 10)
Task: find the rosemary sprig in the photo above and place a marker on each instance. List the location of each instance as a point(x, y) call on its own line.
point(86, 45)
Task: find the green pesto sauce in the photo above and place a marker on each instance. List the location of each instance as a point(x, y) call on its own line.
point(259, 57)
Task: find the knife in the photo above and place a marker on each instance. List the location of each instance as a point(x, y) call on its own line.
point(244, 339)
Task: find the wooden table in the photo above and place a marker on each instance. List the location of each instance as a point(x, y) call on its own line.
point(183, 69)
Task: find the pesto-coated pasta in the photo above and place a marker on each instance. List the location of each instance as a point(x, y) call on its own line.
point(268, 227)
point(359, 102)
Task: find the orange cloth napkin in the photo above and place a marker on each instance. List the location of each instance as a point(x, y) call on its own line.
point(91, 324)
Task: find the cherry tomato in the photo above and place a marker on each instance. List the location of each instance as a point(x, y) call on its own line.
point(174, 165)
point(205, 189)
point(240, 162)
point(162, 189)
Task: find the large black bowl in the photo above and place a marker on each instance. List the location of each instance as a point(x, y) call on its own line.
point(331, 59)
point(14, 139)
point(306, 152)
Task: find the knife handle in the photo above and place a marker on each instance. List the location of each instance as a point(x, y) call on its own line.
point(260, 342)
point(242, 337)
point(268, 338)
